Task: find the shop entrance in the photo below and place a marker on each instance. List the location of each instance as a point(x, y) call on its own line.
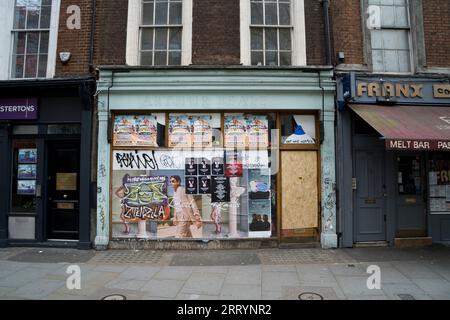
point(370, 196)
point(63, 194)
point(411, 195)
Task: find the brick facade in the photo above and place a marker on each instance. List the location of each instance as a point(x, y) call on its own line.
point(436, 24)
point(111, 32)
point(315, 33)
point(76, 41)
point(346, 26)
point(216, 32)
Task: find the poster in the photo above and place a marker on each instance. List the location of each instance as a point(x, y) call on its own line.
point(191, 167)
point(26, 187)
point(217, 166)
point(259, 184)
point(26, 171)
point(124, 130)
point(220, 189)
point(144, 197)
point(146, 131)
point(303, 130)
point(260, 217)
point(233, 164)
point(180, 131)
point(204, 185)
point(27, 156)
point(235, 131)
point(258, 131)
point(204, 167)
point(191, 185)
point(202, 131)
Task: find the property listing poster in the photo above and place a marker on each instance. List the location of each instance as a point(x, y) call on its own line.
point(180, 131)
point(258, 131)
point(202, 131)
point(235, 131)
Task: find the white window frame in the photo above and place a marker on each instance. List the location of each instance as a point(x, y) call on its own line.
point(298, 33)
point(410, 43)
point(7, 40)
point(133, 38)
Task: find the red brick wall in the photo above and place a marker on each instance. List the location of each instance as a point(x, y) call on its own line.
point(436, 24)
point(76, 41)
point(315, 33)
point(111, 32)
point(216, 32)
point(346, 25)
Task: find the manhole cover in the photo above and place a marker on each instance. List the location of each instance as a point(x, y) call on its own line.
point(115, 297)
point(310, 296)
point(406, 296)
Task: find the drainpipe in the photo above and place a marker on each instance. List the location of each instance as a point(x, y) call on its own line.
point(109, 114)
point(91, 49)
point(326, 17)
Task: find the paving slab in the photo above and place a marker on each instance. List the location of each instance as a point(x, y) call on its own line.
point(415, 269)
point(38, 289)
point(139, 272)
point(173, 273)
point(241, 292)
point(275, 281)
point(204, 284)
point(163, 288)
point(216, 258)
point(251, 275)
point(356, 286)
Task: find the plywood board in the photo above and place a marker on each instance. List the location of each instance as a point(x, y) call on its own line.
point(299, 190)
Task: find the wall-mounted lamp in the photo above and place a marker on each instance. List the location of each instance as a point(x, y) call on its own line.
point(341, 56)
point(65, 57)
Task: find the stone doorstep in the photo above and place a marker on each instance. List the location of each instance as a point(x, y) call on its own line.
point(371, 244)
point(417, 242)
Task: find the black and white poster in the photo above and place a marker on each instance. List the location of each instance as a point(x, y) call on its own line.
point(191, 185)
point(204, 185)
point(217, 166)
point(220, 189)
point(191, 167)
point(204, 167)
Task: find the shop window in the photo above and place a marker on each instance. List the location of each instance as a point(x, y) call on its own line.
point(31, 38)
point(24, 177)
point(139, 130)
point(298, 129)
point(439, 183)
point(24, 130)
point(409, 175)
point(196, 187)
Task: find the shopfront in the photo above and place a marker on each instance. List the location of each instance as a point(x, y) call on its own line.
point(393, 146)
point(45, 138)
point(213, 155)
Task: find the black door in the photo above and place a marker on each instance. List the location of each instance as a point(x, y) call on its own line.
point(63, 190)
point(370, 223)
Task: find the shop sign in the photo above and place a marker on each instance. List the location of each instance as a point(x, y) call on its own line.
point(419, 145)
point(18, 109)
point(379, 89)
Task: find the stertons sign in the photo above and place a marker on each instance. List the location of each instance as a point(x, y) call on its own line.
point(18, 109)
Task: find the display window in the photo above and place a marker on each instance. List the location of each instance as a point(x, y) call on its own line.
point(203, 176)
point(439, 183)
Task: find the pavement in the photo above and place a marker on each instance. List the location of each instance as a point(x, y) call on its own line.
point(267, 274)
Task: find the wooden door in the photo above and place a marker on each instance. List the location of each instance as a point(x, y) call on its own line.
point(299, 192)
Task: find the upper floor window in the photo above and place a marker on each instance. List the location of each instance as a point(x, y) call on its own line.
point(391, 42)
point(159, 32)
point(31, 33)
point(273, 32)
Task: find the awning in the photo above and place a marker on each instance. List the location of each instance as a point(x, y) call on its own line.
point(409, 127)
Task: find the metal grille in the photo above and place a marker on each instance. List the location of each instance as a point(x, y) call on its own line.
point(303, 256)
point(128, 257)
